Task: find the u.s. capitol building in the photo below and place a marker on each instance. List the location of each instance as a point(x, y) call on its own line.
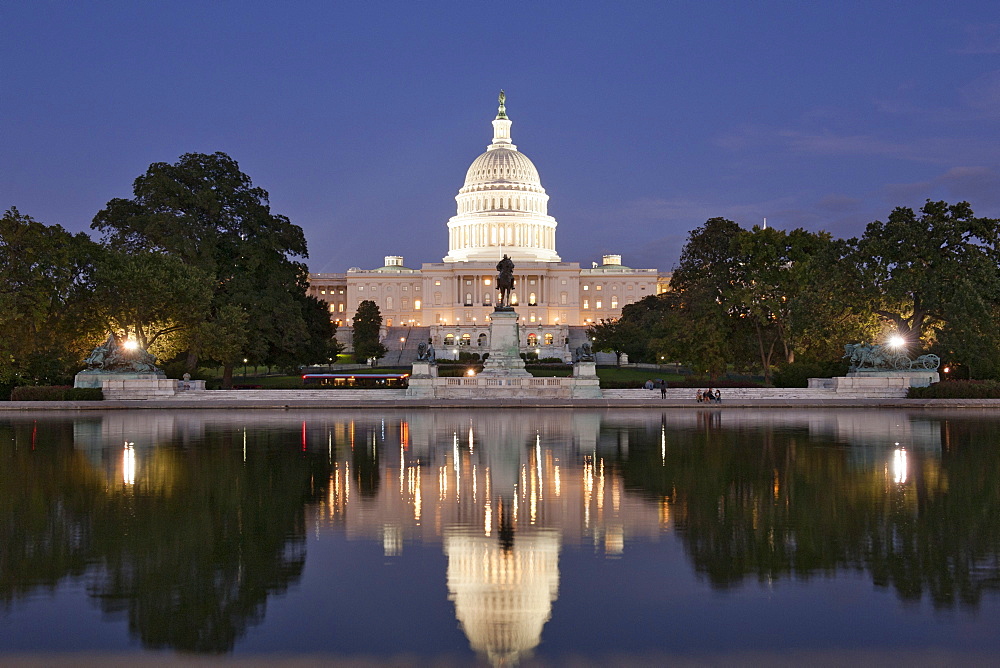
point(502, 209)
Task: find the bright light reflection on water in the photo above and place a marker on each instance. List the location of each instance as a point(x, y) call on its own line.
point(503, 535)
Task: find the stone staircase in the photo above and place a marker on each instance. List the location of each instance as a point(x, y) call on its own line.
point(754, 393)
point(331, 396)
point(412, 336)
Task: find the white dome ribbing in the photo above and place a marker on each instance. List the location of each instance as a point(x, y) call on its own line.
point(502, 208)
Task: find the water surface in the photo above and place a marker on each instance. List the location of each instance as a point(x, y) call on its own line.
point(463, 535)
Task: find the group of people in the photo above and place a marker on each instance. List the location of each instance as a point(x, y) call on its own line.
point(708, 396)
point(658, 384)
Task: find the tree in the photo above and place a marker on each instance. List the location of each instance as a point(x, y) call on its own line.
point(208, 213)
point(920, 273)
point(154, 298)
point(45, 325)
point(367, 323)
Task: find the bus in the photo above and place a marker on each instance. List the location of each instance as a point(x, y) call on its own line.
point(360, 380)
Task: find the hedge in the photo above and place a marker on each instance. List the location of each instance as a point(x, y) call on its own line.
point(55, 393)
point(957, 389)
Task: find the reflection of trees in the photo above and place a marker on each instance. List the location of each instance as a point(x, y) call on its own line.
point(43, 533)
point(769, 503)
point(189, 553)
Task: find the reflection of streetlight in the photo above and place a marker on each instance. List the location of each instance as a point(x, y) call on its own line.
point(245, 360)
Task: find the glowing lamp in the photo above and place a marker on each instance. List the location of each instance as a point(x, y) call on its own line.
point(130, 344)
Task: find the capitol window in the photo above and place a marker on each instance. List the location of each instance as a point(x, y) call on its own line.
point(586, 287)
point(586, 303)
point(361, 288)
point(340, 308)
point(548, 339)
point(416, 304)
point(597, 287)
point(597, 304)
point(614, 302)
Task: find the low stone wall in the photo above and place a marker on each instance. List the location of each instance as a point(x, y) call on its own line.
point(138, 388)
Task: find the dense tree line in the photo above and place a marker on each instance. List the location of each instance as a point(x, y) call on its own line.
point(764, 300)
point(195, 267)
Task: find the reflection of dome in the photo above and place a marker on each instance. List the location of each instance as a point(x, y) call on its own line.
point(503, 597)
point(502, 208)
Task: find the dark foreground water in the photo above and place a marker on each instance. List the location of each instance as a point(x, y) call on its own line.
point(542, 536)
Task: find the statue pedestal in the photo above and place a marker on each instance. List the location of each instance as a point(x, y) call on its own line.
point(586, 385)
point(422, 379)
point(96, 378)
point(505, 346)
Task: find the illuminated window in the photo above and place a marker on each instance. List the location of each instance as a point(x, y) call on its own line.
point(532, 339)
point(449, 340)
point(361, 288)
point(586, 287)
point(416, 304)
point(548, 339)
point(586, 303)
point(340, 308)
point(532, 299)
point(532, 317)
point(597, 287)
point(563, 298)
point(388, 303)
point(614, 302)
point(597, 304)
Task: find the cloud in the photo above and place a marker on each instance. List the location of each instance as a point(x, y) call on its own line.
point(943, 149)
point(980, 186)
point(981, 39)
point(983, 93)
point(838, 203)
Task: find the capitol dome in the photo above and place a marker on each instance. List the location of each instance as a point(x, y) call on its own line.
point(502, 165)
point(502, 208)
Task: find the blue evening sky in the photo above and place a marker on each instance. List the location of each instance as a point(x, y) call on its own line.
point(643, 118)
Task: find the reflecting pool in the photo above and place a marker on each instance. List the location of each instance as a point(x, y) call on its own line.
point(455, 536)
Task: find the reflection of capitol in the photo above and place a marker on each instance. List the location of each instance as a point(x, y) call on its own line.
point(501, 496)
point(502, 491)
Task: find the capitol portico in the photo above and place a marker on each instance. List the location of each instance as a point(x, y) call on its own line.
point(501, 209)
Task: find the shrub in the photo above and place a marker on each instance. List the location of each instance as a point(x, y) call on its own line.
point(957, 389)
point(798, 374)
point(55, 393)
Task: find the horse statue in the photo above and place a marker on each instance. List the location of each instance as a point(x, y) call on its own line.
point(865, 357)
point(505, 280)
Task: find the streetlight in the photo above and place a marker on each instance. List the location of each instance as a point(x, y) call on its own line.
point(897, 341)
